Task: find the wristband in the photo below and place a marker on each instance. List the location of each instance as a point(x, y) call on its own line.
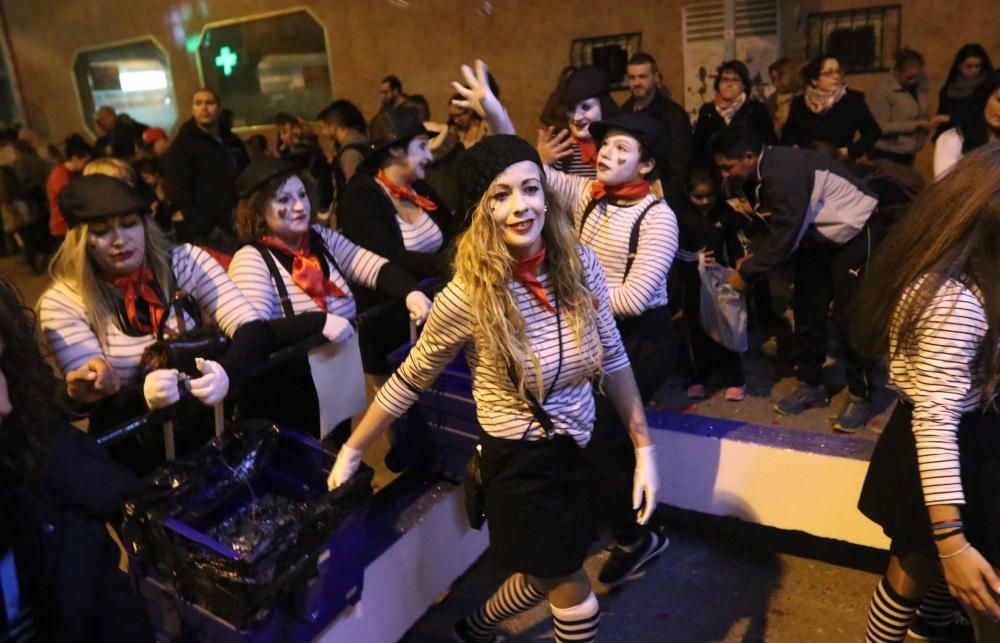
point(955, 553)
point(945, 524)
point(946, 535)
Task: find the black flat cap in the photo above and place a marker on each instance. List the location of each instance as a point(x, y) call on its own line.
point(646, 129)
point(487, 159)
point(98, 196)
point(393, 126)
point(260, 171)
point(586, 82)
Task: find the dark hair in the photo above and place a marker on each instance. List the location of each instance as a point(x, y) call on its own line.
point(148, 165)
point(699, 174)
point(975, 130)
point(642, 58)
point(963, 209)
point(738, 68)
point(206, 90)
point(31, 387)
point(811, 70)
point(394, 82)
point(734, 142)
point(779, 64)
point(249, 219)
point(284, 118)
point(908, 58)
point(258, 143)
point(970, 50)
point(608, 105)
point(344, 113)
point(419, 103)
point(77, 147)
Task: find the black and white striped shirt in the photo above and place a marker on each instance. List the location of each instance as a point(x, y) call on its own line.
point(607, 231)
point(422, 236)
point(249, 272)
point(574, 164)
point(72, 341)
point(500, 410)
point(935, 373)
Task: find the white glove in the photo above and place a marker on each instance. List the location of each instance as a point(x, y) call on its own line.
point(337, 329)
point(210, 388)
point(346, 464)
point(419, 306)
point(160, 388)
point(477, 96)
point(645, 483)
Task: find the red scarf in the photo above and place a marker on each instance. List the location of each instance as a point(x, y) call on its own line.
point(406, 193)
point(588, 150)
point(307, 273)
point(627, 192)
point(524, 272)
point(135, 285)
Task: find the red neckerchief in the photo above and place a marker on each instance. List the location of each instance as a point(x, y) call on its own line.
point(307, 273)
point(588, 150)
point(137, 284)
point(406, 193)
point(524, 272)
point(627, 192)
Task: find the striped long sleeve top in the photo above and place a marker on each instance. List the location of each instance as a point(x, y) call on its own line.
point(71, 339)
point(500, 410)
point(607, 231)
point(935, 373)
point(360, 266)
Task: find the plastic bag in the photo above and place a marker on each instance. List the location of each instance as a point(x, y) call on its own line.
point(723, 309)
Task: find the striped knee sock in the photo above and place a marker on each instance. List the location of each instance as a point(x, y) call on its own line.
point(577, 624)
point(889, 615)
point(938, 606)
point(514, 596)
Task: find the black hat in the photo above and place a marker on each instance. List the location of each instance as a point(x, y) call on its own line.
point(646, 129)
point(586, 82)
point(98, 196)
point(394, 125)
point(260, 171)
point(482, 162)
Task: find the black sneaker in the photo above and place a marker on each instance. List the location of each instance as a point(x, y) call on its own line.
point(463, 634)
point(959, 630)
point(802, 398)
point(622, 563)
point(855, 415)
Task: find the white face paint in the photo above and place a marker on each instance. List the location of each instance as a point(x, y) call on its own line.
point(117, 245)
point(618, 161)
point(413, 162)
point(582, 115)
point(517, 202)
point(288, 213)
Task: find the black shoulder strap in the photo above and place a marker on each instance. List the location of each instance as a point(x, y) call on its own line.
point(633, 240)
point(586, 213)
point(279, 283)
point(537, 410)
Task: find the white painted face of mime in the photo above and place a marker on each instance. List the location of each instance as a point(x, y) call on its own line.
point(517, 202)
point(583, 114)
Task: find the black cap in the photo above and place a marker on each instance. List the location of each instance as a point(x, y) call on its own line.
point(260, 171)
point(485, 160)
point(98, 196)
point(646, 129)
point(394, 125)
point(586, 82)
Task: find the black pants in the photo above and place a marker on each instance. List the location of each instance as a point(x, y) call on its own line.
point(651, 345)
point(828, 274)
point(708, 357)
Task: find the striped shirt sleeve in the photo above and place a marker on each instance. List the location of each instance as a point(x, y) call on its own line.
point(615, 358)
point(645, 284)
point(573, 190)
point(201, 276)
point(250, 274)
point(936, 374)
point(360, 265)
point(65, 328)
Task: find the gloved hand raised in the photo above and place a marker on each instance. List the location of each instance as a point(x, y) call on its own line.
point(160, 388)
point(337, 329)
point(645, 483)
point(346, 464)
point(419, 306)
point(210, 388)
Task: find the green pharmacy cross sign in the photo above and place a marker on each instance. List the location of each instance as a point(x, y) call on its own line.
point(227, 60)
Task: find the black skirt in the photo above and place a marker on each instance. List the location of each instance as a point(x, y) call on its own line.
point(537, 504)
point(893, 498)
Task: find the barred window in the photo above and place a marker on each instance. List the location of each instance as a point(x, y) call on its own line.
point(862, 40)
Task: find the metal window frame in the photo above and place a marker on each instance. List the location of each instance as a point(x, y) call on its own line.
point(820, 20)
point(580, 50)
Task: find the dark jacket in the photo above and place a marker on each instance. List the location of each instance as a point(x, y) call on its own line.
point(123, 137)
point(67, 563)
point(672, 170)
point(837, 126)
point(800, 192)
point(752, 116)
point(200, 178)
point(721, 230)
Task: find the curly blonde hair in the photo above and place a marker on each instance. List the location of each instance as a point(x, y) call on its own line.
point(483, 265)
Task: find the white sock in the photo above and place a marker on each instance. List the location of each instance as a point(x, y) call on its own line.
point(577, 623)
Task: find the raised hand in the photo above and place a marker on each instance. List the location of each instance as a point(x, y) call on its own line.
point(551, 146)
point(477, 96)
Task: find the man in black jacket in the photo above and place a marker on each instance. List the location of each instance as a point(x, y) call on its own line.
point(200, 171)
point(648, 95)
point(815, 205)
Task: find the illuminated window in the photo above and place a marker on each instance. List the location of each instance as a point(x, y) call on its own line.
point(263, 65)
point(133, 78)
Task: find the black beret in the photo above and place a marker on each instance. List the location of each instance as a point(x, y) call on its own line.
point(260, 171)
point(98, 196)
point(485, 160)
point(646, 129)
point(585, 82)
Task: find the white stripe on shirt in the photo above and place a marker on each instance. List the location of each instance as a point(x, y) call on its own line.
point(499, 409)
point(935, 373)
point(574, 164)
point(608, 230)
point(422, 236)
